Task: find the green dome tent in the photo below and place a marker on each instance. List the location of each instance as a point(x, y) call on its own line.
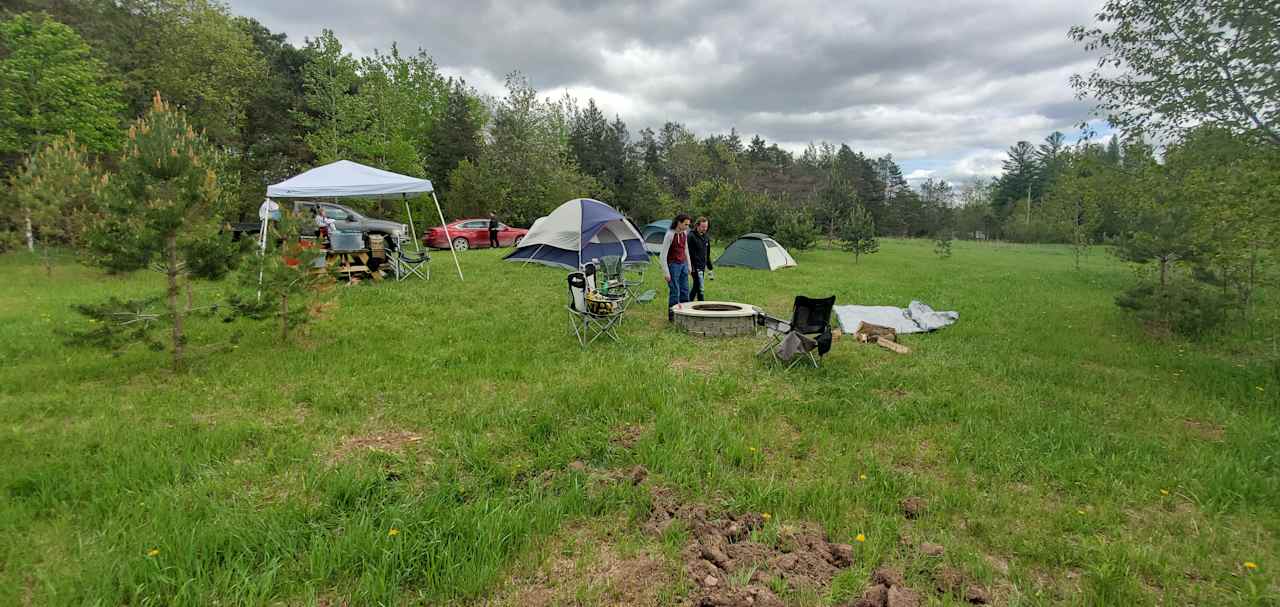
point(757, 251)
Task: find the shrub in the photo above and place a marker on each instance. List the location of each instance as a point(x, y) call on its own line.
point(796, 230)
point(1180, 306)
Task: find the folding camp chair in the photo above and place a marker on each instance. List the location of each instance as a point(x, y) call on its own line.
point(590, 316)
point(808, 332)
point(405, 264)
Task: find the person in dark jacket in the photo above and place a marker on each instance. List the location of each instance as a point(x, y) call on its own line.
point(493, 230)
point(699, 258)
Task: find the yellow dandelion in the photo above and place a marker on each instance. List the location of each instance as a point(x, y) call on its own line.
point(154, 552)
point(393, 532)
point(861, 538)
point(751, 449)
point(766, 516)
point(1164, 492)
point(862, 477)
point(1250, 565)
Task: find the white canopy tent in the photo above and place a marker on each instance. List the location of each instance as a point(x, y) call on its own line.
point(346, 179)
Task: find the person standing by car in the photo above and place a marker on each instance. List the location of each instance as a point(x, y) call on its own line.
point(493, 229)
point(699, 257)
point(675, 267)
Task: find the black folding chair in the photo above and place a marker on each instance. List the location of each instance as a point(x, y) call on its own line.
point(405, 264)
point(591, 317)
point(810, 326)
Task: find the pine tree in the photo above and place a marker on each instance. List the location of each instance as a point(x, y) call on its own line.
point(456, 135)
point(162, 208)
point(57, 189)
point(289, 283)
point(858, 233)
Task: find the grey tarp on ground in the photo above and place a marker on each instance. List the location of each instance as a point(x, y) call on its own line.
point(916, 318)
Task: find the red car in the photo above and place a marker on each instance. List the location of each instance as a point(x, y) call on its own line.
point(472, 234)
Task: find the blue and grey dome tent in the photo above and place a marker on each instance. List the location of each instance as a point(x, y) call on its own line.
point(578, 231)
point(653, 235)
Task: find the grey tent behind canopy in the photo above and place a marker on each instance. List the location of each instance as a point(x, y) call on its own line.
point(758, 251)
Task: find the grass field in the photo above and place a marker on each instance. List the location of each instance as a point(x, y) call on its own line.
point(447, 442)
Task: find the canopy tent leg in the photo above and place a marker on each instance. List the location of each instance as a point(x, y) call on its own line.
point(417, 246)
point(445, 224)
point(262, 253)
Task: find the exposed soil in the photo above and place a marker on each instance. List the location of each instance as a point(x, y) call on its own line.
point(627, 436)
point(913, 507)
point(949, 580)
point(392, 442)
point(729, 568)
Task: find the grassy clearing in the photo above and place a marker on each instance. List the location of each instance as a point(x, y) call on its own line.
point(1044, 431)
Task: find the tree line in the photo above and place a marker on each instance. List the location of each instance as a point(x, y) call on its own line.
point(270, 109)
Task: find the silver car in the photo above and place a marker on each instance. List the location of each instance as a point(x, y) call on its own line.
point(348, 219)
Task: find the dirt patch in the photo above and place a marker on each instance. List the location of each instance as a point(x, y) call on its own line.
point(394, 441)
point(589, 568)
point(887, 590)
point(728, 566)
point(949, 580)
point(1203, 430)
point(627, 436)
point(913, 507)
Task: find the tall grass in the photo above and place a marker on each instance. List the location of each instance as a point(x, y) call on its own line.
point(1042, 429)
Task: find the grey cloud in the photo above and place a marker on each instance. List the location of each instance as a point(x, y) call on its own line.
point(940, 82)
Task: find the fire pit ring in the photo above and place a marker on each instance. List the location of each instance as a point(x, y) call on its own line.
point(715, 318)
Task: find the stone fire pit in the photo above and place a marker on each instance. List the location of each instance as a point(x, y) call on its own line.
point(715, 318)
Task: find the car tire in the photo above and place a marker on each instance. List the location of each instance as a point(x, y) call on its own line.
point(461, 244)
point(516, 243)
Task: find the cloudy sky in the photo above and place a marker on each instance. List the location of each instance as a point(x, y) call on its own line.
point(944, 87)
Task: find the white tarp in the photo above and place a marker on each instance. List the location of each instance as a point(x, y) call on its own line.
point(916, 318)
point(348, 179)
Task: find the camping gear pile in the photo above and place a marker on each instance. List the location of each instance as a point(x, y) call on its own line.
point(593, 313)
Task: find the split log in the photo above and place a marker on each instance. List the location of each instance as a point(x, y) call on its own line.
point(889, 344)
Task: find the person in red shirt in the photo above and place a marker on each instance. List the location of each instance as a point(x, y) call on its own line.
point(675, 266)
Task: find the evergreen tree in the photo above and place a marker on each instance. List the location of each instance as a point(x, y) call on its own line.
point(456, 136)
point(162, 207)
point(57, 189)
point(858, 233)
point(285, 284)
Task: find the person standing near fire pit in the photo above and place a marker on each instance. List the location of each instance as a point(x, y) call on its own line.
point(675, 267)
point(699, 258)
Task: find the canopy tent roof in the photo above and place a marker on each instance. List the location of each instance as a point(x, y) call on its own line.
point(580, 229)
point(348, 179)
